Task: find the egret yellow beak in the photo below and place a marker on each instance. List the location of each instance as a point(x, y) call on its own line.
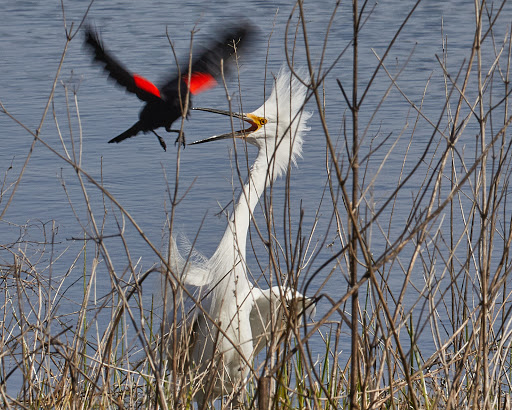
point(255, 121)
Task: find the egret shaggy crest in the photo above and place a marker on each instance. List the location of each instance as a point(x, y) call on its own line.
point(238, 315)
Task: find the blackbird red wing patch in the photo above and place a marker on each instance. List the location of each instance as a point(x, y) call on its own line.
point(200, 82)
point(138, 85)
point(146, 85)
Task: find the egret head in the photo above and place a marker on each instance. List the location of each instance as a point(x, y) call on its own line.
point(277, 127)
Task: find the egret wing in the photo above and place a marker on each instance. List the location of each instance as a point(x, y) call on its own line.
point(263, 316)
point(267, 315)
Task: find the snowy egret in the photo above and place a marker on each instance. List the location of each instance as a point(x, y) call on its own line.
point(239, 314)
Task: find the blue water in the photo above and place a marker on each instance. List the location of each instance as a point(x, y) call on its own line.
point(135, 171)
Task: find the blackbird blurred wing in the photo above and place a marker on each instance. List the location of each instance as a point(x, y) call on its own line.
point(133, 83)
point(206, 70)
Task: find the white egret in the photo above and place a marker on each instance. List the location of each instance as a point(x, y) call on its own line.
point(242, 312)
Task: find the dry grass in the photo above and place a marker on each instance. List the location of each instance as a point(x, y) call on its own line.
point(455, 234)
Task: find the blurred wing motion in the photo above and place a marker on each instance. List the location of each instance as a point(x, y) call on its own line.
point(208, 68)
point(133, 83)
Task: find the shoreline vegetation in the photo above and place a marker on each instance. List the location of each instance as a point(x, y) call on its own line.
point(457, 233)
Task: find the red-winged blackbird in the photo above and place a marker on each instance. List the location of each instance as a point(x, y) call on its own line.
point(164, 105)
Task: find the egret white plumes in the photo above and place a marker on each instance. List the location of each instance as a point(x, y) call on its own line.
point(233, 329)
point(286, 123)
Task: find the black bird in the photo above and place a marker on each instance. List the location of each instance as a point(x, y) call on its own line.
point(164, 105)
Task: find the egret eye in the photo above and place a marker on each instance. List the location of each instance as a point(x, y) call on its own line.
point(263, 121)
